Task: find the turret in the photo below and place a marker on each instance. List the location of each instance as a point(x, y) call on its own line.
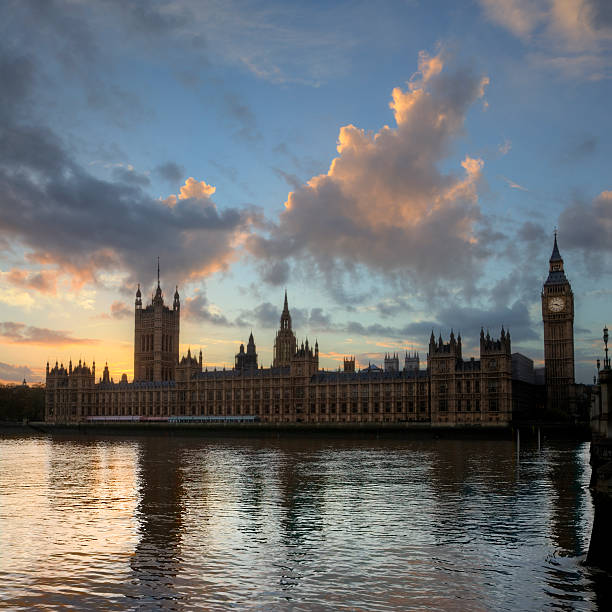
point(138, 298)
point(176, 305)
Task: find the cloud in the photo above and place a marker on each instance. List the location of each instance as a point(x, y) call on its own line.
point(120, 310)
point(275, 272)
point(384, 201)
point(580, 150)
point(44, 281)
point(515, 319)
point(572, 37)
point(192, 189)
point(265, 315)
point(198, 308)
point(65, 217)
point(20, 333)
point(587, 226)
point(127, 174)
point(392, 306)
point(171, 172)
point(14, 373)
point(513, 185)
point(505, 147)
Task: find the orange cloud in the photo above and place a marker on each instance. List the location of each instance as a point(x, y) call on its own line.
point(44, 281)
point(198, 190)
point(384, 201)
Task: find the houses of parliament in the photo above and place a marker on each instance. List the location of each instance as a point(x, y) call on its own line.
point(449, 390)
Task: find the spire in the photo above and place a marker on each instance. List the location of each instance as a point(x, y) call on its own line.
point(285, 320)
point(556, 256)
point(556, 275)
point(158, 292)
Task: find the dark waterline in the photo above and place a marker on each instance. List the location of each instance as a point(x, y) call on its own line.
point(295, 523)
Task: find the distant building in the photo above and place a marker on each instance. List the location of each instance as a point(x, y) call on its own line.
point(247, 360)
point(391, 362)
point(349, 364)
point(412, 362)
point(522, 368)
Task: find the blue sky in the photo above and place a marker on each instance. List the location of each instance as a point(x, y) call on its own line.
point(397, 166)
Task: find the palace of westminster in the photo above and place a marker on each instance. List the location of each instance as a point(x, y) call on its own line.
point(448, 391)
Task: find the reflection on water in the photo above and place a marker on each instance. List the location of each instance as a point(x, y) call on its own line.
point(182, 523)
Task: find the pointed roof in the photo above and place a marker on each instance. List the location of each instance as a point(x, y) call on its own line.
point(556, 256)
point(556, 275)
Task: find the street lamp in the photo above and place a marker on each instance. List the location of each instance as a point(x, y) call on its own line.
point(605, 339)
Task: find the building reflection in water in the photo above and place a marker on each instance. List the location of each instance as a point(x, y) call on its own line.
point(156, 561)
point(301, 483)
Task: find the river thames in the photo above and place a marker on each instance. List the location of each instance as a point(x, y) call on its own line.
point(297, 523)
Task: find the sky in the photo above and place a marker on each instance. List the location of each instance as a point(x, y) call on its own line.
point(397, 167)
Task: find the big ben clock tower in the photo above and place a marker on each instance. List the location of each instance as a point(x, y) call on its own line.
point(558, 316)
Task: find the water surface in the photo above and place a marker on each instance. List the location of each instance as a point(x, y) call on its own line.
point(294, 524)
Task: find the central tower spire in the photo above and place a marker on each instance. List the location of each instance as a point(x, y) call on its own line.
point(285, 344)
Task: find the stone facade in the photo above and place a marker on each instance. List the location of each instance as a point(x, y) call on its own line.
point(451, 391)
point(156, 337)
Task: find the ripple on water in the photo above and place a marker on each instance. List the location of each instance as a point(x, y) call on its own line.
point(297, 524)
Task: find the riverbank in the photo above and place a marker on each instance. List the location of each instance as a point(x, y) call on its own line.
point(405, 430)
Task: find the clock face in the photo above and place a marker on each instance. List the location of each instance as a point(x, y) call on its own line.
point(556, 304)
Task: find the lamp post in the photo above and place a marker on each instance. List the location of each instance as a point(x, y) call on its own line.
point(605, 339)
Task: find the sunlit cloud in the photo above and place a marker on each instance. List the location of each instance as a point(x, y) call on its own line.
point(384, 201)
point(572, 37)
point(44, 281)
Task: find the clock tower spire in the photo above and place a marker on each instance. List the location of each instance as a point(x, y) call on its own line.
point(558, 318)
